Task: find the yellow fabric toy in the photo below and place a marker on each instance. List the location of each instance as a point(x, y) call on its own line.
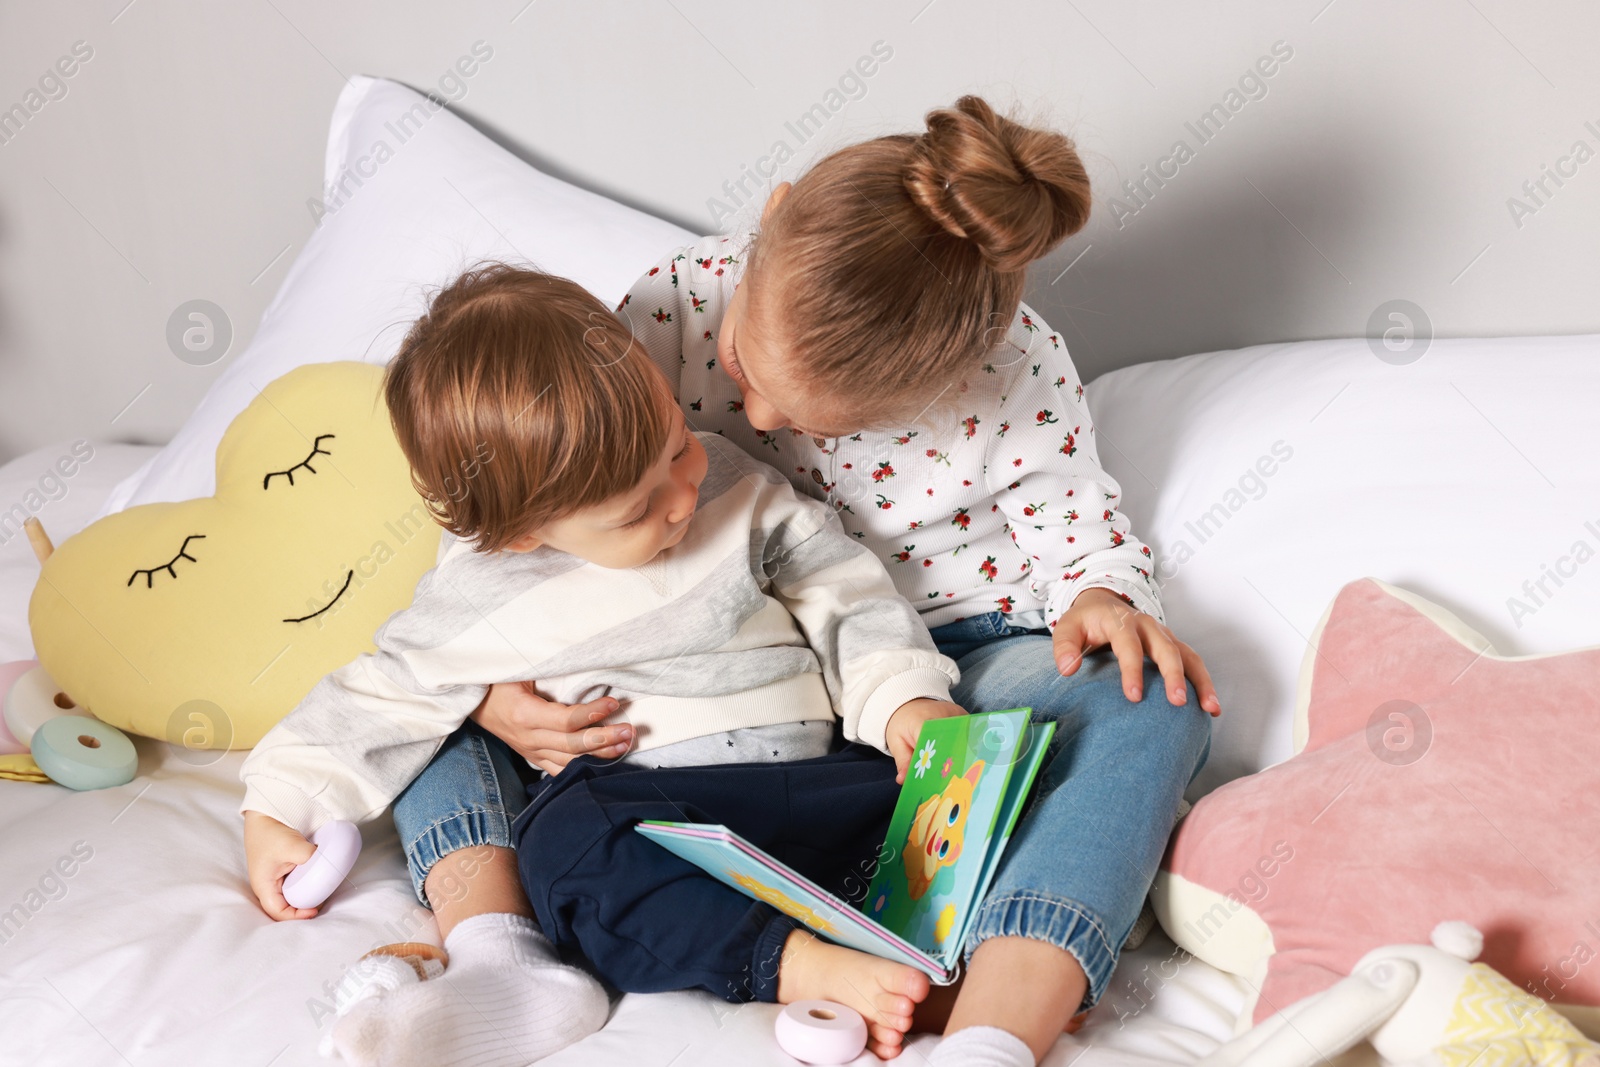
point(19, 767)
point(204, 622)
point(1418, 1005)
point(1495, 1024)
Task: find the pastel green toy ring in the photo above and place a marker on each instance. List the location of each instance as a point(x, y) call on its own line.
point(83, 753)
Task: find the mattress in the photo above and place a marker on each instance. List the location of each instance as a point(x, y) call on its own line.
point(153, 951)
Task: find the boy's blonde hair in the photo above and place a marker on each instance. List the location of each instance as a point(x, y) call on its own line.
point(519, 398)
point(895, 266)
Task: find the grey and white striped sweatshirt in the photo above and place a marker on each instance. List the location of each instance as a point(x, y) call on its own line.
point(765, 613)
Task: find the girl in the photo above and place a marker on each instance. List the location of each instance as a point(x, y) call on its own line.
point(871, 343)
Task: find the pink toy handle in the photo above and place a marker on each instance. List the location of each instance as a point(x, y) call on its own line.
point(308, 885)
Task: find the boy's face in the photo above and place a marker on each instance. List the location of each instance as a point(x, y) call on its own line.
point(633, 527)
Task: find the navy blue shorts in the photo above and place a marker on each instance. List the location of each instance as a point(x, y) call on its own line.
point(651, 922)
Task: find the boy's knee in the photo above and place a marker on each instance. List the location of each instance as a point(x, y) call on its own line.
point(559, 814)
point(567, 824)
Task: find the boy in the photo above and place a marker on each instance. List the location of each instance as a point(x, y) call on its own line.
point(600, 546)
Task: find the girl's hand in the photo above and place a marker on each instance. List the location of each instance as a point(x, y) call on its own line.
point(906, 723)
point(271, 851)
point(546, 734)
point(1100, 617)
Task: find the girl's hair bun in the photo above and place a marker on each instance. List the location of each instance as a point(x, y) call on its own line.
point(1012, 190)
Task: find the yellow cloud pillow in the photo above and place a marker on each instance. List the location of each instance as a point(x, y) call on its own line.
point(204, 622)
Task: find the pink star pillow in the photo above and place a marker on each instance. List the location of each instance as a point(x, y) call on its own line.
point(1433, 780)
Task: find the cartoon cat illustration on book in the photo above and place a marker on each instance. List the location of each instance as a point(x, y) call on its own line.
point(938, 830)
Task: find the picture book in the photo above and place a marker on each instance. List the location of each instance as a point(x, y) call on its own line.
point(967, 783)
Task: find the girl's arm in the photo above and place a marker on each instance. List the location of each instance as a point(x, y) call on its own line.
point(548, 734)
point(1044, 472)
point(655, 310)
point(875, 652)
point(1062, 509)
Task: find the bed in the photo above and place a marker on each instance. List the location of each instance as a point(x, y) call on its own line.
point(1457, 470)
point(153, 950)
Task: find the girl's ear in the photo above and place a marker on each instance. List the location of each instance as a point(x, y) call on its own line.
point(776, 198)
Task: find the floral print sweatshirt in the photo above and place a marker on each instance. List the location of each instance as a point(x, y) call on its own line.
point(1000, 506)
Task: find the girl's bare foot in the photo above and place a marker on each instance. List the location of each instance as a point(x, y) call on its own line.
point(884, 992)
point(1027, 988)
point(933, 1014)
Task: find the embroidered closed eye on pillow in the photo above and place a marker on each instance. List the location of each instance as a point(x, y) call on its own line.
point(1433, 780)
point(204, 622)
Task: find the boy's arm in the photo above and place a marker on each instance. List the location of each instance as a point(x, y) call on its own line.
point(875, 652)
point(271, 853)
point(352, 745)
point(366, 730)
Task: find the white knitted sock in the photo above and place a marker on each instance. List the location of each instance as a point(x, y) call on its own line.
point(504, 1000)
point(373, 976)
point(982, 1046)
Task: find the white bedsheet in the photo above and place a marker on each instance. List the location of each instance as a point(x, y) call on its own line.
point(153, 951)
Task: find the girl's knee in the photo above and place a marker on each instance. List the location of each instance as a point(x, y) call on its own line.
point(1186, 727)
point(1155, 686)
point(1156, 689)
point(1187, 722)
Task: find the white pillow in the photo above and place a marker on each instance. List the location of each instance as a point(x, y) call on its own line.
point(62, 485)
point(402, 218)
point(1458, 477)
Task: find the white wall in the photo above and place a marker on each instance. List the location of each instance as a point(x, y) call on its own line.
point(1377, 166)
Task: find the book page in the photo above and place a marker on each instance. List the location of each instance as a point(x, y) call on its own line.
point(940, 837)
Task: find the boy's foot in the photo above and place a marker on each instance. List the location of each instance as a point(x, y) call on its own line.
point(505, 1000)
point(884, 992)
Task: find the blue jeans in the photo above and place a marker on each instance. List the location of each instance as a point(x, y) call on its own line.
point(466, 796)
point(476, 784)
point(1077, 868)
point(1087, 846)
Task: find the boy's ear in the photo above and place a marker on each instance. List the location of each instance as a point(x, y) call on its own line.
point(780, 191)
point(526, 543)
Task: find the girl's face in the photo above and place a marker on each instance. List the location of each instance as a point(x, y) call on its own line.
point(752, 353)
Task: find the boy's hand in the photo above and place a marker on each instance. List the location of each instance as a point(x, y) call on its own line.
point(271, 851)
point(906, 723)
